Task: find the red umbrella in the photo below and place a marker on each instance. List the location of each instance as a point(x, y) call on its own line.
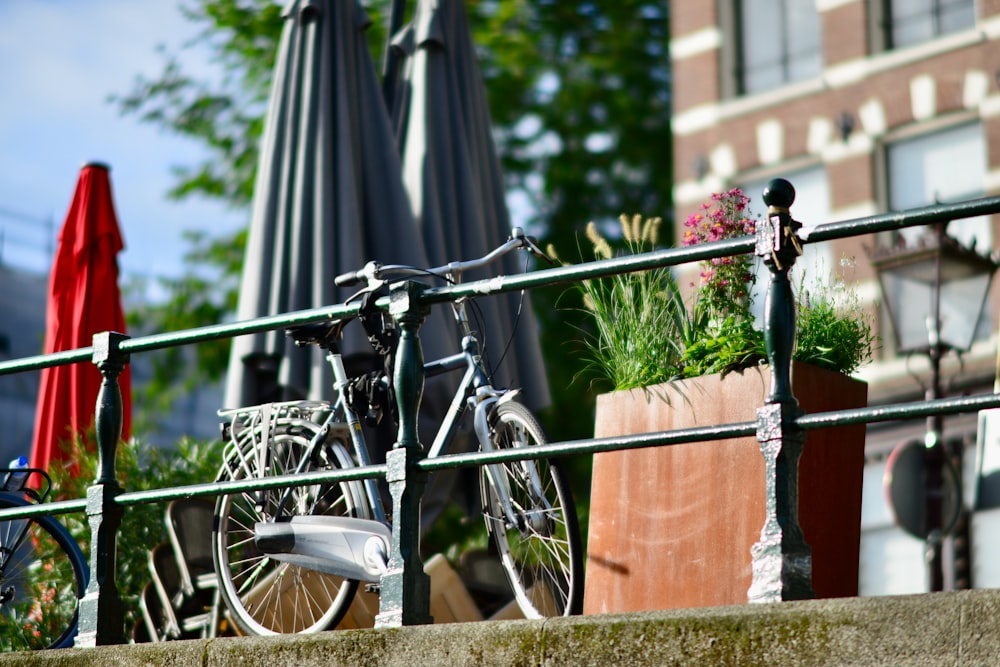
point(83, 300)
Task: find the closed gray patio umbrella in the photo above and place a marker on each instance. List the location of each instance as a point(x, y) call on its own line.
point(328, 197)
point(453, 178)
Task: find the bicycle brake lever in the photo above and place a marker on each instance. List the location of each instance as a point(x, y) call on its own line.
point(532, 246)
point(373, 286)
point(529, 243)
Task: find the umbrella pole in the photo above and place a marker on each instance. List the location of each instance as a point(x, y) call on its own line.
point(102, 615)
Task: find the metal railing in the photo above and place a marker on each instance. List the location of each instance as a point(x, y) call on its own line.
point(778, 572)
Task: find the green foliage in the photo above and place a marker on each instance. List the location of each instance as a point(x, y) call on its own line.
point(139, 468)
point(645, 334)
point(724, 337)
point(722, 346)
point(580, 97)
point(205, 293)
point(222, 109)
point(639, 318)
point(832, 330)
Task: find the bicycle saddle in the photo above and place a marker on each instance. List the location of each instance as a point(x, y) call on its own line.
point(324, 334)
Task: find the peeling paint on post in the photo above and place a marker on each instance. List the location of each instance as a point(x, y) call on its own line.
point(405, 595)
point(781, 559)
point(102, 617)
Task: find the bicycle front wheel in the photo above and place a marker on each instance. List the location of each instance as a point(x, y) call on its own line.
point(43, 575)
point(531, 517)
point(266, 596)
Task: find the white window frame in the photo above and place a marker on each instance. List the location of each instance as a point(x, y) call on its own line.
point(735, 17)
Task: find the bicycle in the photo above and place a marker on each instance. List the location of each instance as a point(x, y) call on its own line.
point(43, 574)
point(290, 560)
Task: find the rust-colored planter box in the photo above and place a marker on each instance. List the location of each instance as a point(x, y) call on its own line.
point(672, 527)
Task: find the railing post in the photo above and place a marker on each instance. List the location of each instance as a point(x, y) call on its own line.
point(405, 594)
point(781, 559)
point(102, 617)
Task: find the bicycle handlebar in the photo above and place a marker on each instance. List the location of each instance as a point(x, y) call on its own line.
point(351, 278)
point(374, 272)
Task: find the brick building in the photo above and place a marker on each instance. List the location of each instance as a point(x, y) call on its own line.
point(866, 106)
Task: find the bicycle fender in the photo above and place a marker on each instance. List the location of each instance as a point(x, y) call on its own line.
point(480, 420)
point(508, 395)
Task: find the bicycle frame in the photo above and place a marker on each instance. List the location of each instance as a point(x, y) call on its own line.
point(344, 529)
point(475, 388)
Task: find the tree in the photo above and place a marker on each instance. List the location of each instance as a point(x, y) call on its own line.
point(579, 95)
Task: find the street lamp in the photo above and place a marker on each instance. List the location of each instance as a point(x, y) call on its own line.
point(935, 292)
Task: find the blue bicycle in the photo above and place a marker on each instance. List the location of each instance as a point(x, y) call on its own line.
point(43, 573)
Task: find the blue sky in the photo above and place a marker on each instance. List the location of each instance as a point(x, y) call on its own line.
point(59, 61)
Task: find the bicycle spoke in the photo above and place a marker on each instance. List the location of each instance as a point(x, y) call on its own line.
point(265, 595)
point(40, 581)
point(539, 544)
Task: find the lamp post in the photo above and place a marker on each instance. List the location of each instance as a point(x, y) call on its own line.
point(935, 292)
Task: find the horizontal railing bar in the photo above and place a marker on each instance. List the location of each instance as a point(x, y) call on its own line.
point(203, 490)
point(240, 328)
point(819, 420)
point(899, 411)
point(259, 484)
point(913, 217)
point(187, 337)
point(590, 270)
point(539, 278)
point(40, 361)
point(42, 509)
point(703, 251)
point(591, 446)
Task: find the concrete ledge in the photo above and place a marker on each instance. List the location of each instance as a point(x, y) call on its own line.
point(935, 629)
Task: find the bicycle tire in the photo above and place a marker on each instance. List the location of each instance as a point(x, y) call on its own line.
point(45, 576)
point(541, 548)
point(265, 596)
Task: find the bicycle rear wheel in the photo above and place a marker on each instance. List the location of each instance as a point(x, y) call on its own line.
point(43, 575)
point(539, 541)
point(266, 596)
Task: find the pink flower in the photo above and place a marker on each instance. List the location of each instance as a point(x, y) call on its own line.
point(725, 281)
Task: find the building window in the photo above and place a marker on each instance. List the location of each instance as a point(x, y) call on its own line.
point(892, 561)
point(779, 42)
point(943, 167)
point(910, 22)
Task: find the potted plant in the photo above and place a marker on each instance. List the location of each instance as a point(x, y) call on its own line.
point(673, 526)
